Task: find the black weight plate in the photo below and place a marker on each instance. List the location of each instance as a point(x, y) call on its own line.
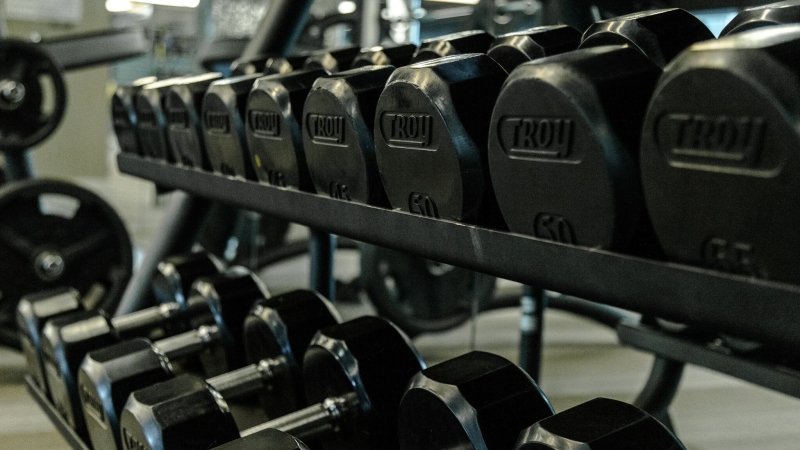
point(29, 71)
point(54, 233)
point(420, 295)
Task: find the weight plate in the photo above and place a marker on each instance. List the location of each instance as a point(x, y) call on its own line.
point(420, 295)
point(54, 233)
point(33, 96)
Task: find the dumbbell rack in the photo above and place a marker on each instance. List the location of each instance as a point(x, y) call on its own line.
point(69, 435)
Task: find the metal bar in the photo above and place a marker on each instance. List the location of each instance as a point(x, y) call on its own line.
point(279, 28)
point(66, 431)
point(322, 246)
point(177, 234)
point(729, 303)
point(660, 389)
point(18, 166)
point(531, 326)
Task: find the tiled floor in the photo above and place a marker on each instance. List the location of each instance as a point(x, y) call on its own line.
point(581, 361)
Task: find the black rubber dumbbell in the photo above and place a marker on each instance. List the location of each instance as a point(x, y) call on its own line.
point(338, 122)
point(565, 131)
point(184, 127)
point(753, 17)
point(268, 439)
point(334, 60)
point(431, 128)
point(123, 115)
point(274, 128)
point(718, 155)
point(151, 119)
point(357, 371)
point(33, 311)
point(463, 42)
point(386, 55)
point(512, 49)
point(475, 401)
point(276, 332)
point(171, 281)
point(599, 424)
point(66, 340)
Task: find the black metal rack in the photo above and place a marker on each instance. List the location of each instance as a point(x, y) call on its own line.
point(61, 425)
point(723, 302)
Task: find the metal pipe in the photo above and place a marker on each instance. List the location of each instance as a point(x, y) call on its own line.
point(533, 303)
point(310, 422)
point(322, 246)
point(279, 28)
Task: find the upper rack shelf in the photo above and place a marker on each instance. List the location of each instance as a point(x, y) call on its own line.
point(747, 307)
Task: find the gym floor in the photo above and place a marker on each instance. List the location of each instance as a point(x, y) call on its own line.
point(581, 360)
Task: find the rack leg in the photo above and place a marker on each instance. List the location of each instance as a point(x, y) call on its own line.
point(322, 246)
point(177, 233)
point(533, 303)
point(18, 166)
point(660, 389)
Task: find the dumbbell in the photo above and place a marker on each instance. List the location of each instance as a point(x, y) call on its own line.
point(182, 104)
point(599, 424)
point(279, 143)
point(385, 55)
point(151, 120)
point(224, 108)
point(431, 129)
point(565, 130)
point(275, 332)
point(172, 279)
point(67, 340)
point(475, 401)
point(268, 64)
point(753, 17)
point(462, 42)
point(268, 439)
point(718, 154)
point(512, 49)
point(123, 115)
point(357, 371)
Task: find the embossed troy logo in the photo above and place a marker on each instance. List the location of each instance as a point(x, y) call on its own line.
point(216, 121)
point(325, 128)
point(265, 123)
point(536, 137)
point(733, 140)
point(407, 129)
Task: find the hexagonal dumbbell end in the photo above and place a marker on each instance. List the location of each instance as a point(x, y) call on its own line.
point(33, 311)
point(475, 401)
point(763, 16)
point(513, 49)
point(659, 34)
point(471, 41)
point(599, 424)
point(175, 274)
point(176, 414)
point(267, 439)
point(105, 380)
point(334, 60)
point(387, 55)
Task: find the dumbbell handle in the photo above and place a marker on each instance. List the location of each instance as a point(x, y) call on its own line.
point(248, 379)
point(311, 421)
point(142, 320)
point(189, 343)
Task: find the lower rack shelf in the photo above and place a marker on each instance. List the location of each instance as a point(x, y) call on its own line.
point(63, 428)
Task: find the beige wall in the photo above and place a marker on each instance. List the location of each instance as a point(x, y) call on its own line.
point(78, 147)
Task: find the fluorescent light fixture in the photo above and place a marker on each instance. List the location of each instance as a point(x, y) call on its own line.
point(119, 6)
point(347, 7)
point(175, 3)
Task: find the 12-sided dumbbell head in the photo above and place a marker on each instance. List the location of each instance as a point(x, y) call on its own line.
point(268, 64)
point(334, 60)
point(123, 114)
point(33, 311)
point(659, 34)
point(599, 424)
point(475, 401)
point(431, 127)
point(338, 134)
point(223, 112)
point(175, 274)
point(274, 128)
point(753, 17)
point(151, 119)
point(718, 168)
point(357, 371)
point(185, 129)
point(268, 439)
point(387, 55)
point(472, 41)
point(513, 49)
point(564, 166)
point(276, 332)
point(68, 339)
